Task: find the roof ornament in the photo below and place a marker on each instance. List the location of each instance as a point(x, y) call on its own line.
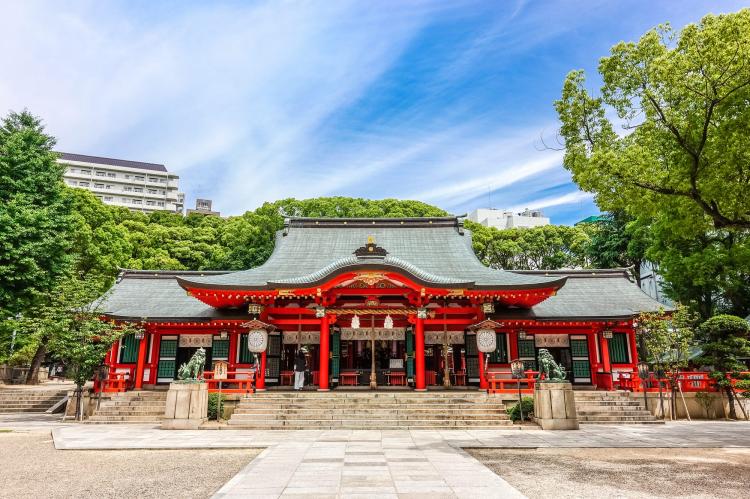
point(370, 250)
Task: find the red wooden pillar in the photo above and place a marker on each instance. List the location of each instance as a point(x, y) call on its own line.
point(142, 347)
point(232, 360)
point(260, 376)
point(419, 374)
point(324, 354)
point(483, 384)
point(513, 338)
point(606, 364)
point(154, 364)
point(633, 348)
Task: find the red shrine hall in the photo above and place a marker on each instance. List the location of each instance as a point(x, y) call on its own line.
point(375, 303)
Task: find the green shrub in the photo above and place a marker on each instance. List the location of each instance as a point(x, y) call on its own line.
point(527, 403)
point(213, 405)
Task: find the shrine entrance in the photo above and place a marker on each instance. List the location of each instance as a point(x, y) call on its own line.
point(374, 357)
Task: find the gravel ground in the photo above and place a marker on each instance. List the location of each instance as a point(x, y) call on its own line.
point(636, 473)
point(31, 467)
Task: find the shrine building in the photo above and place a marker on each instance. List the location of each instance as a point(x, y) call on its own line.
point(378, 303)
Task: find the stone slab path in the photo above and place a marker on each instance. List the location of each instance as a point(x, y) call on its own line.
point(395, 463)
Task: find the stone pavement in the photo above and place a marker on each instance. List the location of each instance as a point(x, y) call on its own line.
point(393, 463)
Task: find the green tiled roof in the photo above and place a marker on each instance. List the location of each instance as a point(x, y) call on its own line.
point(589, 294)
point(432, 251)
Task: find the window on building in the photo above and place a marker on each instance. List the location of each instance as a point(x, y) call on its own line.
point(83, 184)
point(99, 186)
point(108, 186)
point(150, 203)
point(152, 191)
point(137, 201)
point(127, 189)
point(125, 200)
point(72, 170)
point(111, 175)
point(138, 189)
point(160, 203)
point(128, 349)
point(101, 174)
point(86, 172)
point(139, 178)
point(153, 179)
point(72, 182)
point(500, 355)
point(108, 198)
point(163, 180)
point(127, 176)
point(618, 349)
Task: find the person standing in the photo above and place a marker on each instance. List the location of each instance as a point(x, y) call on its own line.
point(299, 370)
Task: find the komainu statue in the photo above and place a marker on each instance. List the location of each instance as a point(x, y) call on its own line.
point(192, 370)
point(549, 370)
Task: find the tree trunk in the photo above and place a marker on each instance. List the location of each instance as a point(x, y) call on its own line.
point(32, 377)
point(730, 397)
point(79, 396)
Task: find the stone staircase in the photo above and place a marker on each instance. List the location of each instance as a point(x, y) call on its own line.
point(369, 410)
point(597, 407)
point(131, 407)
point(29, 400)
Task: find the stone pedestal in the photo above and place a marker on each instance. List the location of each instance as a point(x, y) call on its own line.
point(187, 406)
point(555, 406)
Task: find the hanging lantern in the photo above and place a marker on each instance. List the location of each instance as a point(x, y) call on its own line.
point(257, 340)
point(388, 323)
point(355, 322)
point(486, 340)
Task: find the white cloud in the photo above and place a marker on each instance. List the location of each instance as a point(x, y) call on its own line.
point(564, 199)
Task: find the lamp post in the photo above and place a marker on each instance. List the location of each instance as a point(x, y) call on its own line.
point(516, 369)
point(643, 374)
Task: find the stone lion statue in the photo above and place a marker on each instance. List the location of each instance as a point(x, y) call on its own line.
point(192, 370)
point(549, 370)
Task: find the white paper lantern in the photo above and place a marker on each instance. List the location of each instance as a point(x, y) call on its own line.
point(486, 340)
point(355, 322)
point(257, 340)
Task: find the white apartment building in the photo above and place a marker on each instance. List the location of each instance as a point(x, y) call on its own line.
point(502, 219)
point(139, 186)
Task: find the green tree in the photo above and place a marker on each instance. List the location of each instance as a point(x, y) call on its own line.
point(68, 324)
point(618, 240)
point(682, 162)
point(668, 338)
point(725, 341)
point(34, 217)
point(547, 247)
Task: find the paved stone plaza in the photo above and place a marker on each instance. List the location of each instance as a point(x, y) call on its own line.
point(354, 463)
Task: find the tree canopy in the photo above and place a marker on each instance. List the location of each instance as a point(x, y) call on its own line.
point(680, 162)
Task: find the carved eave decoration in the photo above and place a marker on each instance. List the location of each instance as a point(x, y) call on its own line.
point(485, 324)
point(256, 324)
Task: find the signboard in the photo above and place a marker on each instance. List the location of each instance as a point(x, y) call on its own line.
point(365, 334)
point(552, 340)
point(220, 369)
point(196, 340)
point(438, 337)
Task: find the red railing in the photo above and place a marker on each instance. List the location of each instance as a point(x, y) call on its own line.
point(115, 382)
point(233, 383)
point(503, 382)
point(689, 381)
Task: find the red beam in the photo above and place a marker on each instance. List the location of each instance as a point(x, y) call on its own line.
point(467, 322)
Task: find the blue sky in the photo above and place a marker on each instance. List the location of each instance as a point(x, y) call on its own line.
point(441, 101)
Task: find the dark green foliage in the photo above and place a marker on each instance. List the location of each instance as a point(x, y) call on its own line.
point(213, 406)
point(725, 341)
point(34, 215)
point(527, 404)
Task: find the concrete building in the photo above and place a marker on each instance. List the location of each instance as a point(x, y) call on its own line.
point(139, 186)
point(652, 283)
point(501, 219)
point(203, 207)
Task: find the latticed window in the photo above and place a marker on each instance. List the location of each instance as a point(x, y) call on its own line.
point(500, 355)
point(579, 348)
point(246, 356)
point(166, 369)
point(581, 369)
point(168, 348)
point(526, 348)
point(618, 349)
point(128, 349)
point(220, 349)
